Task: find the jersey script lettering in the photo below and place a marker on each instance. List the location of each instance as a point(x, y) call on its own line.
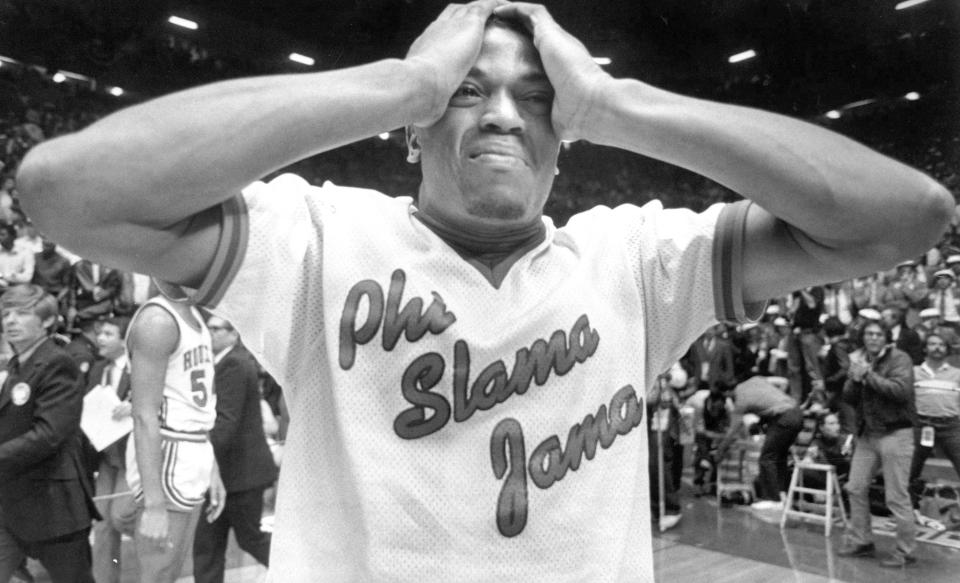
point(431, 411)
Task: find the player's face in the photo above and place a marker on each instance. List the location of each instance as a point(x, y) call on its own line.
point(490, 160)
point(109, 341)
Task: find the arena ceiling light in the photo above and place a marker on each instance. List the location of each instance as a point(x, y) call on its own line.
point(302, 59)
point(602, 61)
point(59, 77)
point(183, 22)
point(908, 4)
point(116, 91)
point(833, 114)
point(912, 96)
point(744, 56)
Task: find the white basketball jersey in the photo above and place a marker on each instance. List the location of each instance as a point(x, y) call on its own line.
point(444, 429)
point(189, 401)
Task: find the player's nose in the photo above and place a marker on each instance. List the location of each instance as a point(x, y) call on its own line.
point(501, 113)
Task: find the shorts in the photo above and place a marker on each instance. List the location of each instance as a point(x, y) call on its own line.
point(187, 460)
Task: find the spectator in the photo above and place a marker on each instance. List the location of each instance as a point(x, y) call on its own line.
point(46, 500)
point(803, 352)
point(51, 271)
point(243, 456)
point(782, 421)
point(16, 264)
point(663, 412)
point(83, 348)
point(835, 366)
point(943, 298)
point(112, 371)
point(838, 301)
point(880, 387)
point(94, 292)
point(906, 292)
point(710, 359)
point(938, 413)
point(831, 445)
point(904, 337)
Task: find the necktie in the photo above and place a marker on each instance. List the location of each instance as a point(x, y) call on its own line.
point(107, 379)
point(13, 365)
point(943, 304)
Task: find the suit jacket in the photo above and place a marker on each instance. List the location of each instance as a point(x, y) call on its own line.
point(909, 341)
point(115, 453)
point(238, 441)
point(44, 492)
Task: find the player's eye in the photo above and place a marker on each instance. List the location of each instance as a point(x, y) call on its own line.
point(466, 94)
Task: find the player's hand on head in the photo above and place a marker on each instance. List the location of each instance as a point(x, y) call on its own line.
point(449, 47)
point(577, 80)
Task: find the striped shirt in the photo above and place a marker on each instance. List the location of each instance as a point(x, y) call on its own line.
point(938, 391)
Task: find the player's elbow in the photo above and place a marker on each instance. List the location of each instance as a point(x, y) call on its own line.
point(906, 230)
point(931, 213)
point(46, 192)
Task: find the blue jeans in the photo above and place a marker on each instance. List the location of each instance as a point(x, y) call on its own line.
point(946, 436)
point(893, 452)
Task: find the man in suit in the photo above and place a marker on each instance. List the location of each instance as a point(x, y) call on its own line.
point(94, 292)
point(246, 465)
point(119, 512)
point(46, 501)
point(905, 338)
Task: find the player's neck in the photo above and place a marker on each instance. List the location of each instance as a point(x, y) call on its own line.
point(479, 243)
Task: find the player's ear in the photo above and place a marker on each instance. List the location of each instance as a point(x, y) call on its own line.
point(413, 145)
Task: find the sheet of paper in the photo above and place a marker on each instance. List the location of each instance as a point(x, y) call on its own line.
point(97, 420)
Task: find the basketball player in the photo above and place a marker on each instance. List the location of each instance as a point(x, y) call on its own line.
point(466, 379)
point(170, 461)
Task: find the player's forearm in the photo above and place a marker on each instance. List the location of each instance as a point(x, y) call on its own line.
point(146, 434)
point(814, 179)
point(156, 163)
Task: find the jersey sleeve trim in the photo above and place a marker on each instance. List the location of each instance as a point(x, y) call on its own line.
point(728, 265)
point(234, 234)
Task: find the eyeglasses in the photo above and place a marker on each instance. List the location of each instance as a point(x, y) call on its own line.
point(865, 334)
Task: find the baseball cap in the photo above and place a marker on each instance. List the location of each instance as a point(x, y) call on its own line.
point(929, 313)
point(953, 259)
point(869, 314)
point(945, 272)
point(781, 322)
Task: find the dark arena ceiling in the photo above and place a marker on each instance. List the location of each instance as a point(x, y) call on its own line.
point(811, 55)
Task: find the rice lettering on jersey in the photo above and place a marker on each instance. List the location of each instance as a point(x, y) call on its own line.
point(430, 411)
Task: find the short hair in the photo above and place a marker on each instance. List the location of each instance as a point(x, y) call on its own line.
point(887, 333)
point(513, 24)
point(896, 311)
point(121, 322)
point(30, 296)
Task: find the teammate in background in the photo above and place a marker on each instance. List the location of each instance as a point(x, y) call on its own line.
point(465, 378)
point(170, 462)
